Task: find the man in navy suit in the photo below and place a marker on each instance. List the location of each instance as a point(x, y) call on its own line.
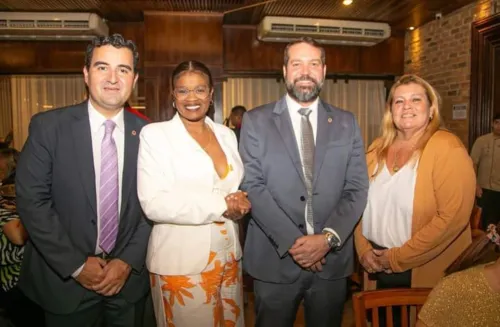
point(77, 198)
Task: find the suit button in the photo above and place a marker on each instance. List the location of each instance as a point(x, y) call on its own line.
point(301, 226)
point(93, 222)
point(302, 198)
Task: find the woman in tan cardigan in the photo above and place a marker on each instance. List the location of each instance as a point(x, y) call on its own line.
point(421, 194)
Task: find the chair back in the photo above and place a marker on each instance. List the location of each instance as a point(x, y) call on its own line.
point(475, 218)
point(397, 297)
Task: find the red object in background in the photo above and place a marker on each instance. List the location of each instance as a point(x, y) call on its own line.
point(138, 113)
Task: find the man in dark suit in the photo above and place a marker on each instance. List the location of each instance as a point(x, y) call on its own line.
point(306, 177)
point(77, 197)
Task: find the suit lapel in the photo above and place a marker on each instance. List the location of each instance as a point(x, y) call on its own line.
point(131, 142)
point(284, 125)
point(325, 128)
point(82, 141)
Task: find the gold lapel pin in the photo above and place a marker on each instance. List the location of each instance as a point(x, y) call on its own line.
point(134, 133)
point(330, 120)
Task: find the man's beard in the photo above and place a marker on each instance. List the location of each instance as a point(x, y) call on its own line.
point(301, 93)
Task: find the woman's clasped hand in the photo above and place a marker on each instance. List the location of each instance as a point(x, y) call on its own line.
point(237, 205)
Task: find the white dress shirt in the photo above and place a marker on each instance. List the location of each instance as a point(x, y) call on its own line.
point(97, 130)
point(387, 220)
point(296, 118)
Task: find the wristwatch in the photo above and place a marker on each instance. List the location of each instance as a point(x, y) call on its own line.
point(332, 240)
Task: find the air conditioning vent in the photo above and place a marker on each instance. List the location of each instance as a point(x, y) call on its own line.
point(76, 24)
point(329, 29)
point(352, 31)
point(376, 33)
point(22, 24)
point(282, 27)
point(286, 29)
point(51, 26)
point(306, 28)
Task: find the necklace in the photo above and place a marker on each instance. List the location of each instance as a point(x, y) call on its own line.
point(395, 166)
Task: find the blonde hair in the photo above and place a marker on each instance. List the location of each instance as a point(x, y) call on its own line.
point(388, 129)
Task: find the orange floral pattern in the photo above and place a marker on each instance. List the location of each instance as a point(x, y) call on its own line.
point(212, 298)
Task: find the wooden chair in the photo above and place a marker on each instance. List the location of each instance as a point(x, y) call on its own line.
point(400, 297)
point(475, 222)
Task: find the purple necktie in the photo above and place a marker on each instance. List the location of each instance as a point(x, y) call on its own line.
point(108, 190)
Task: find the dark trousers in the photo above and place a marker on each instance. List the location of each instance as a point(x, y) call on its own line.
point(276, 305)
point(385, 281)
point(100, 311)
point(20, 310)
point(490, 205)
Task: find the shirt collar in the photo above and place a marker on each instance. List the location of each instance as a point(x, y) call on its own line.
point(97, 119)
point(294, 106)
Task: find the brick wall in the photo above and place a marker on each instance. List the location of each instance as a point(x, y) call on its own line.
point(440, 53)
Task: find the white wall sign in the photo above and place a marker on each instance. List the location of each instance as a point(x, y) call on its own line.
point(459, 111)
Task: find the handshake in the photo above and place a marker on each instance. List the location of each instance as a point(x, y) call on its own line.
point(237, 205)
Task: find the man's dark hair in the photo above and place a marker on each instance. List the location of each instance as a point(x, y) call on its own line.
point(496, 116)
point(308, 40)
point(115, 40)
point(238, 110)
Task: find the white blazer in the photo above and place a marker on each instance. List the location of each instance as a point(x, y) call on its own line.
point(175, 181)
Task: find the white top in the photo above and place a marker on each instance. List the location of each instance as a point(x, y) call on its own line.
point(387, 219)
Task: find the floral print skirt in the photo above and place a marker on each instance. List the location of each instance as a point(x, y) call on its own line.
point(213, 298)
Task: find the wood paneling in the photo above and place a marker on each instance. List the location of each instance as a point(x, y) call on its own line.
point(243, 53)
point(485, 42)
point(26, 57)
point(23, 57)
point(169, 39)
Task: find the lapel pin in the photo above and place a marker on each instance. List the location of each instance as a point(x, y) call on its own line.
point(134, 133)
point(330, 120)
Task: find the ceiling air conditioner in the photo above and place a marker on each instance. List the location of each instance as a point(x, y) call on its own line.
point(326, 31)
point(45, 26)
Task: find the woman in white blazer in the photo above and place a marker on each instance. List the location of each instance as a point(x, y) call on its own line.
point(189, 171)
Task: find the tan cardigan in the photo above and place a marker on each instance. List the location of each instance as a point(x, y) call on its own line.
point(444, 197)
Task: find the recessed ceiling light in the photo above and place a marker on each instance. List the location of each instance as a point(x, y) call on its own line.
point(347, 2)
point(411, 28)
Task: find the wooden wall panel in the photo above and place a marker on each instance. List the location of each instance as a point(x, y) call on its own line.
point(171, 38)
point(384, 58)
point(243, 53)
point(27, 57)
point(24, 57)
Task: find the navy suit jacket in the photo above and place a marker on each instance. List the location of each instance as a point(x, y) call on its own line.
point(56, 201)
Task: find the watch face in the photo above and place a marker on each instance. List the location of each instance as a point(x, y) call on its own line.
point(334, 241)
